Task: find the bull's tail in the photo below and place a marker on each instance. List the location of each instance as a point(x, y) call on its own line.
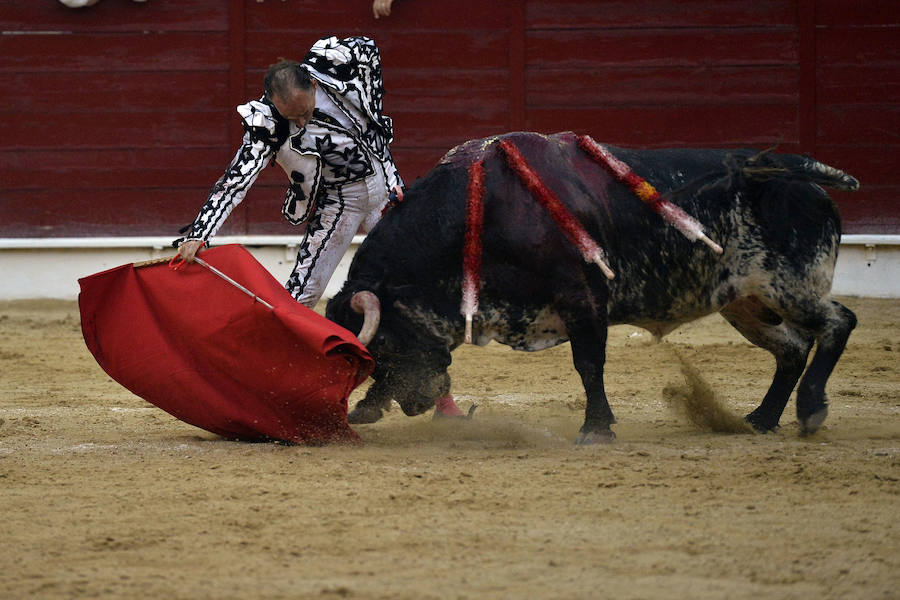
point(767, 166)
point(823, 174)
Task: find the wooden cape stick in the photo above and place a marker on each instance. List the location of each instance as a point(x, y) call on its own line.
point(152, 261)
point(203, 263)
point(215, 271)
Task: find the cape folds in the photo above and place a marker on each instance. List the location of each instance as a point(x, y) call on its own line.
point(206, 352)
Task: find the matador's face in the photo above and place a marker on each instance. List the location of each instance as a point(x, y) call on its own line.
point(297, 105)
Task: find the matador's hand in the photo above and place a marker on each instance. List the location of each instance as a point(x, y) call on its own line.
point(189, 248)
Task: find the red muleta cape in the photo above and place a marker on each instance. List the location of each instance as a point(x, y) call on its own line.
point(202, 350)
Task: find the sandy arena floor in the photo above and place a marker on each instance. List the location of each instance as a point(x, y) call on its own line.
point(105, 496)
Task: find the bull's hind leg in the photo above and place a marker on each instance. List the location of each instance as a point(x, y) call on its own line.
point(832, 323)
point(789, 335)
point(789, 345)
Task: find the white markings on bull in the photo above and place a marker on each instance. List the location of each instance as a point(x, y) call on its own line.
point(544, 329)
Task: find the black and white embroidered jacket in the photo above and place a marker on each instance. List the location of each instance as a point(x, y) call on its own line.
point(344, 141)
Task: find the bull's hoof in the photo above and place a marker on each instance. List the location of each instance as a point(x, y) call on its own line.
point(761, 424)
point(592, 438)
point(813, 422)
point(362, 415)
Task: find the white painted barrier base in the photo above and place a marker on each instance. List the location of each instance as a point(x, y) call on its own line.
point(868, 265)
point(51, 267)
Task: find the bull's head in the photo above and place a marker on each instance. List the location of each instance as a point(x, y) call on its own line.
point(410, 364)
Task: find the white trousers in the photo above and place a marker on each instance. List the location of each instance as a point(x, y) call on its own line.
point(330, 231)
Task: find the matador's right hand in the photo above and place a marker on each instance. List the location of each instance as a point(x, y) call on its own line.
point(188, 249)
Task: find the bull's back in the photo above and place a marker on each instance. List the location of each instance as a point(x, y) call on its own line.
point(530, 268)
point(777, 228)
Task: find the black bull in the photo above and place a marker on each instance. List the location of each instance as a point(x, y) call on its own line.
point(779, 230)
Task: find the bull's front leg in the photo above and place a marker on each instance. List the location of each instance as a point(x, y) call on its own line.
point(589, 355)
point(371, 408)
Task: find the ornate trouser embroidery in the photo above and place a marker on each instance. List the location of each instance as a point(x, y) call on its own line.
point(330, 232)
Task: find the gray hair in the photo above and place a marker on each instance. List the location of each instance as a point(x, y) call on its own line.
point(285, 76)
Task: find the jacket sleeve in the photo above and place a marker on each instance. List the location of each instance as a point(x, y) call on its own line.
point(391, 174)
point(262, 137)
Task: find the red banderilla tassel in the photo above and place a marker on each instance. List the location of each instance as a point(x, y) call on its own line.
point(565, 220)
point(672, 214)
point(471, 278)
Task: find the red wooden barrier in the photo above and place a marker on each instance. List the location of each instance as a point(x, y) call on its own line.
point(117, 119)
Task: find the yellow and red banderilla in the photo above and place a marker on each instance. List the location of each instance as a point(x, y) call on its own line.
point(641, 188)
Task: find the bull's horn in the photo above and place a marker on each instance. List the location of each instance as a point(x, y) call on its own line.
point(366, 303)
